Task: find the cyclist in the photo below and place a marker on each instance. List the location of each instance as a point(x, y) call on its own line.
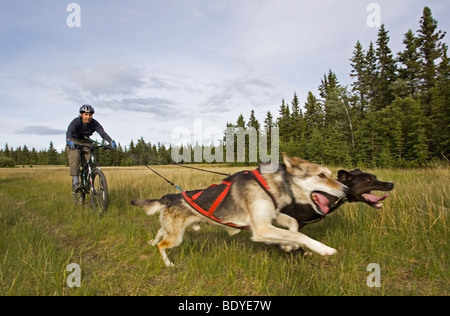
point(78, 133)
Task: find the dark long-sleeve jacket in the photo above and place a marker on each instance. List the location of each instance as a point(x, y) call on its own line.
point(78, 130)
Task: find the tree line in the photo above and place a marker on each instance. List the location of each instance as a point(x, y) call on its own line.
point(396, 113)
point(141, 153)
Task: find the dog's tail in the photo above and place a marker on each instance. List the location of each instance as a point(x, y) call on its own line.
point(150, 207)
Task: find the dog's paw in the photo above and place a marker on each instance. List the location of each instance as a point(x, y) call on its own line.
point(196, 227)
point(327, 251)
point(152, 242)
point(169, 264)
point(289, 248)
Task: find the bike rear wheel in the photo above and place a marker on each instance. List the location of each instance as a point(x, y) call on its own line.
point(99, 192)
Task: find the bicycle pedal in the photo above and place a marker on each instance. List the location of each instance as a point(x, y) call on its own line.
point(76, 188)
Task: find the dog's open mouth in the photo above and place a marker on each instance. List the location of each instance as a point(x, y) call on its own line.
point(325, 202)
point(373, 200)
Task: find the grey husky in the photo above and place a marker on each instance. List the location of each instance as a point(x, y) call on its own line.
point(250, 200)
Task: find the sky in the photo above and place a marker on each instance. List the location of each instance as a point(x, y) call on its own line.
point(159, 68)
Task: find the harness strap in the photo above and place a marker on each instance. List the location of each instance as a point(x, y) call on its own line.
point(213, 207)
point(209, 213)
point(220, 198)
point(264, 185)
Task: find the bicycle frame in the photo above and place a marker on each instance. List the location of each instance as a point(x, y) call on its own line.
point(88, 166)
point(93, 180)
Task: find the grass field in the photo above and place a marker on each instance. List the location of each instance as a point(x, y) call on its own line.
point(41, 233)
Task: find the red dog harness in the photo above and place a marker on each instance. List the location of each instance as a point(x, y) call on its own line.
point(210, 212)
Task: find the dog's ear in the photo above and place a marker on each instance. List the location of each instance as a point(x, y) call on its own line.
point(293, 162)
point(356, 171)
point(344, 176)
point(288, 162)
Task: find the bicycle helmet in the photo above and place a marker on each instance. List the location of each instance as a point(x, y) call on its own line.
point(87, 109)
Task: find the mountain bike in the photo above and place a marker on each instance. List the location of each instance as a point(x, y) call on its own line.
point(92, 182)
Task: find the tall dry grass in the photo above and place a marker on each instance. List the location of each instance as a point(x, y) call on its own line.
point(41, 233)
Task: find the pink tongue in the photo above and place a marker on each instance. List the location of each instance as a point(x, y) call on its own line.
point(323, 202)
point(373, 198)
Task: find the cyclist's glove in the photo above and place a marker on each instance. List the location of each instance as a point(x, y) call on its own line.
point(71, 144)
point(113, 145)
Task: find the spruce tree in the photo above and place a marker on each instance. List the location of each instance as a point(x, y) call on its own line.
point(432, 52)
point(329, 91)
point(370, 76)
point(314, 116)
point(7, 152)
point(52, 155)
point(430, 40)
point(253, 122)
point(420, 148)
point(241, 154)
point(359, 65)
point(410, 59)
point(284, 122)
point(386, 74)
point(328, 84)
point(296, 111)
point(268, 123)
point(297, 127)
point(440, 118)
point(253, 148)
point(240, 121)
point(405, 132)
point(268, 126)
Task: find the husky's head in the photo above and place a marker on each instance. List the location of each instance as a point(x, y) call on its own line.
point(313, 184)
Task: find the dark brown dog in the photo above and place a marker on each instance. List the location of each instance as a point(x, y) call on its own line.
point(360, 185)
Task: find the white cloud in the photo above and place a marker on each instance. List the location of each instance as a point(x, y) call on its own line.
point(39, 130)
point(107, 79)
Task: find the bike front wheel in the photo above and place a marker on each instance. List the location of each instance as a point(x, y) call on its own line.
point(99, 192)
point(79, 197)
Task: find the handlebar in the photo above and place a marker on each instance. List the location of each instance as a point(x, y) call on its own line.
point(106, 147)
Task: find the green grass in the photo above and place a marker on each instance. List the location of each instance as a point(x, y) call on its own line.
point(41, 233)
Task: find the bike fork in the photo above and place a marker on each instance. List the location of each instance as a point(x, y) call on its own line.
point(91, 186)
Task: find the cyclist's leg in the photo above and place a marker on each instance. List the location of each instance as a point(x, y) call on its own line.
point(87, 154)
point(86, 151)
point(73, 156)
